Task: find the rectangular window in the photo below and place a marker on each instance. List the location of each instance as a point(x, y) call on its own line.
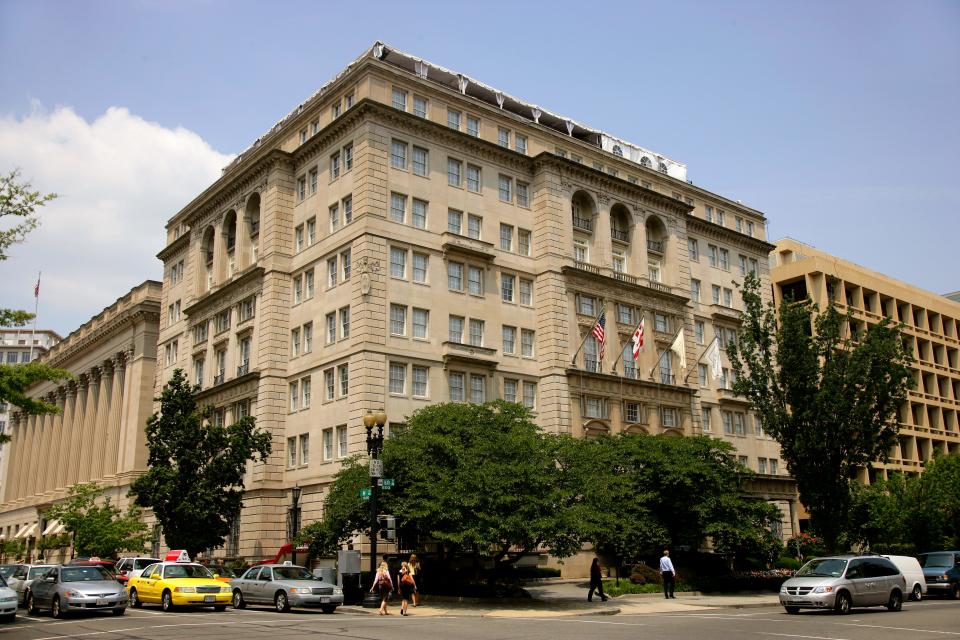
point(295, 342)
point(720, 217)
point(742, 261)
point(523, 194)
point(505, 186)
point(580, 253)
point(345, 265)
point(456, 386)
point(475, 280)
point(523, 242)
point(313, 181)
point(308, 283)
point(506, 287)
point(631, 412)
point(348, 157)
point(335, 111)
point(594, 407)
point(474, 226)
point(699, 331)
point(503, 137)
point(506, 237)
point(724, 259)
point(455, 329)
point(773, 466)
point(421, 318)
point(521, 143)
point(727, 297)
point(473, 126)
point(419, 214)
point(739, 225)
point(706, 413)
point(455, 276)
point(170, 353)
point(624, 314)
point(473, 178)
point(738, 424)
point(292, 452)
point(301, 188)
point(200, 332)
point(712, 255)
point(530, 395)
point(586, 305)
point(660, 323)
point(453, 119)
point(419, 386)
point(328, 444)
point(328, 383)
point(527, 337)
point(750, 228)
point(419, 106)
point(342, 441)
point(619, 261)
point(344, 322)
point(331, 328)
point(510, 390)
point(335, 166)
point(762, 466)
point(455, 221)
point(399, 99)
point(398, 207)
point(398, 320)
point(478, 388)
point(308, 337)
point(454, 172)
point(298, 239)
point(398, 155)
point(695, 290)
point(526, 292)
point(668, 417)
point(694, 249)
point(348, 210)
point(715, 294)
point(398, 262)
point(421, 161)
point(398, 378)
point(727, 418)
point(311, 231)
point(476, 332)
point(708, 213)
point(344, 380)
point(509, 339)
point(419, 267)
point(702, 375)
point(294, 396)
point(332, 271)
point(334, 217)
point(305, 384)
point(754, 267)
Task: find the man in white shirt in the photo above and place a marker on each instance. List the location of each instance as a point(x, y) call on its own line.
point(667, 572)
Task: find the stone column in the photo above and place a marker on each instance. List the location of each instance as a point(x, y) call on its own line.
point(30, 467)
point(76, 429)
point(638, 246)
point(114, 452)
point(10, 488)
point(88, 432)
point(601, 254)
point(56, 447)
point(46, 441)
point(104, 409)
point(66, 437)
point(219, 252)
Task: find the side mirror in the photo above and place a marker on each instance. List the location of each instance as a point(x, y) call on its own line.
point(50, 579)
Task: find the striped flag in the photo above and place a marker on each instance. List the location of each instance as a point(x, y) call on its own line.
point(637, 340)
point(599, 331)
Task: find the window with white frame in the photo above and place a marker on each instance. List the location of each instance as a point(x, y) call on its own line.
point(473, 126)
point(420, 262)
point(308, 337)
point(619, 261)
point(699, 331)
point(631, 412)
point(702, 375)
point(455, 221)
point(530, 395)
point(348, 157)
point(727, 297)
point(727, 419)
point(693, 248)
point(419, 106)
point(453, 119)
point(474, 226)
point(421, 319)
point(345, 265)
point(586, 305)
point(399, 99)
point(507, 282)
point(456, 386)
point(478, 388)
point(335, 166)
point(398, 262)
point(523, 194)
point(419, 217)
point(305, 391)
point(505, 188)
point(454, 172)
point(334, 217)
point(331, 328)
point(475, 280)
point(725, 259)
point(295, 342)
point(344, 379)
point(298, 238)
point(329, 384)
point(476, 332)
point(523, 242)
point(668, 417)
point(509, 340)
point(506, 237)
point(594, 407)
point(510, 386)
point(527, 339)
point(712, 254)
point(398, 154)
point(328, 444)
point(294, 395)
point(503, 137)
point(342, 441)
point(420, 376)
point(398, 320)
point(347, 209)
point(455, 276)
point(715, 294)
point(292, 452)
point(473, 178)
point(695, 290)
point(398, 378)
point(520, 143)
point(455, 329)
point(421, 161)
point(344, 322)
point(297, 290)
point(332, 271)
point(706, 413)
point(398, 207)
point(526, 292)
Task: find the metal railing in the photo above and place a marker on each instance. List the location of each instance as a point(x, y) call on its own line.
point(617, 234)
point(218, 379)
point(667, 378)
point(582, 223)
point(630, 371)
point(243, 369)
point(655, 245)
point(593, 366)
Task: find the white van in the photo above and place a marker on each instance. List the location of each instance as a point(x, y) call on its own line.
point(913, 573)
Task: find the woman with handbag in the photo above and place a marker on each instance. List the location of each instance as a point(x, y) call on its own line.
point(383, 585)
point(417, 578)
point(407, 586)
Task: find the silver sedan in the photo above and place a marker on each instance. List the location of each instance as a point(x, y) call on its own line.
point(285, 586)
point(76, 588)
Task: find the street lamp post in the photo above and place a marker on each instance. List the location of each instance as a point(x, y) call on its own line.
point(374, 449)
point(294, 520)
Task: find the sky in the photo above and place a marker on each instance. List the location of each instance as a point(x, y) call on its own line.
point(838, 120)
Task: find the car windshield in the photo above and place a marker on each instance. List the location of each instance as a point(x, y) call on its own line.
point(823, 568)
point(186, 571)
point(292, 573)
point(937, 560)
point(142, 563)
point(36, 572)
point(84, 574)
point(7, 570)
point(225, 572)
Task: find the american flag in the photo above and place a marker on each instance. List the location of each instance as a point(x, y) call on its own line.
point(599, 333)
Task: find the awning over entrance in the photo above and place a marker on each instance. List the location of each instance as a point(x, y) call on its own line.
point(27, 531)
point(54, 527)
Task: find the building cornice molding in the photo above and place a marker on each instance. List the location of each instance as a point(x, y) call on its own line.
point(145, 311)
point(181, 244)
point(729, 236)
point(612, 288)
point(240, 287)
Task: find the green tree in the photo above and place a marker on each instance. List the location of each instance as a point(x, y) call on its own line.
point(827, 397)
point(343, 511)
point(98, 527)
point(194, 483)
point(18, 202)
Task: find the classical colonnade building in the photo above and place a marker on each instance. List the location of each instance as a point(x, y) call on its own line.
point(98, 435)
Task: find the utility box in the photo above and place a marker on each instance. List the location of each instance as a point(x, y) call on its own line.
point(348, 562)
point(348, 574)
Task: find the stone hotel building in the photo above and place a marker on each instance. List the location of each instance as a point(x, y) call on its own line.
point(409, 235)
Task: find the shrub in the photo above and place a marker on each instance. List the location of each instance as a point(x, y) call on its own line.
point(786, 562)
point(642, 574)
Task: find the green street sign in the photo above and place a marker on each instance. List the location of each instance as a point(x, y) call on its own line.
point(365, 493)
point(386, 483)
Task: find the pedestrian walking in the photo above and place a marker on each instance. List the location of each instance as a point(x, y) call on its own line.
point(596, 581)
point(383, 585)
point(668, 573)
point(417, 578)
point(407, 587)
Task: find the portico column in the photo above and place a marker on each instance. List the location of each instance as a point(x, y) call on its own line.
point(638, 246)
point(46, 442)
point(112, 453)
point(103, 418)
point(76, 429)
point(11, 487)
point(66, 435)
point(88, 432)
point(602, 249)
point(31, 459)
point(56, 447)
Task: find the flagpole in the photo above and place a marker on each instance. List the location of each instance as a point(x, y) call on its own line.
point(36, 307)
point(664, 353)
point(621, 344)
point(603, 306)
point(703, 353)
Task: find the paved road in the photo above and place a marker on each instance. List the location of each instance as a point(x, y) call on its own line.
point(932, 619)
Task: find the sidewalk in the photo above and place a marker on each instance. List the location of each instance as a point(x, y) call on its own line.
point(569, 598)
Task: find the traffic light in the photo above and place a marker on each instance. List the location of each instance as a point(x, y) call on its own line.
point(388, 527)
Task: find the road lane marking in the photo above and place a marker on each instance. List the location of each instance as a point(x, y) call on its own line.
point(788, 635)
point(878, 626)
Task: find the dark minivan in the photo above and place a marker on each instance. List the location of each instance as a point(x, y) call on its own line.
point(941, 569)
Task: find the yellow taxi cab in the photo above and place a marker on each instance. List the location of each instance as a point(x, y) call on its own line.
point(178, 583)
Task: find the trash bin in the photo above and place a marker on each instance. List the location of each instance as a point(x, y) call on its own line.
point(352, 592)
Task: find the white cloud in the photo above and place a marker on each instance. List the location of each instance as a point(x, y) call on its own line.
point(120, 178)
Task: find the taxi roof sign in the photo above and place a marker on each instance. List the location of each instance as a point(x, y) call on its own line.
point(177, 555)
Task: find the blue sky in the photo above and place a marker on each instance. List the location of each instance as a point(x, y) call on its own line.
point(838, 120)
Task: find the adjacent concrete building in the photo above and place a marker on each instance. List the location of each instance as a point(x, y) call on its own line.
point(409, 235)
point(928, 419)
point(99, 433)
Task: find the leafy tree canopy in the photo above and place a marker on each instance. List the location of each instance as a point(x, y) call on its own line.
point(827, 397)
point(195, 479)
point(19, 203)
point(99, 529)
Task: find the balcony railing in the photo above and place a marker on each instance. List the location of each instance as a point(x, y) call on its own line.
point(218, 379)
point(243, 369)
point(630, 371)
point(625, 277)
point(593, 366)
point(592, 268)
point(667, 378)
point(617, 234)
point(655, 245)
point(586, 224)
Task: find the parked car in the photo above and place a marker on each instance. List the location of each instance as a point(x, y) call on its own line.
point(223, 573)
point(69, 588)
point(8, 601)
point(843, 582)
point(6, 570)
point(942, 571)
point(23, 576)
point(132, 567)
point(285, 586)
point(912, 574)
point(105, 563)
point(175, 584)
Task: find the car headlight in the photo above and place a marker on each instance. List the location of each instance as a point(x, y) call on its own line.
point(337, 591)
point(300, 590)
point(9, 599)
point(185, 589)
point(783, 589)
point(225, 589)
point(823, 589)
point(70, 593)
point(944, 577)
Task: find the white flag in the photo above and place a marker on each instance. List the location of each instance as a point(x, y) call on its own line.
point(680, 349)
point(713, 357)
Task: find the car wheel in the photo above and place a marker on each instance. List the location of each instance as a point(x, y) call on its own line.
point(328, 610)
point(119, 612)
point(32, 605)
point(955, 591)
point(843, 603)
point(55, 610)
point(792, 610)
point(135, 601)
point(238, 601)
point(917, 593)
point(281, 602)
point(166, 602)
point(896, 601)
point(219, 607)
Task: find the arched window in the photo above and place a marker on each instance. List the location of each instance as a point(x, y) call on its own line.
point(662, 168)
point(206, 253)
point(617, 151)
point(644, 161)
point(253, 226)
point(583, 210)
point(230, 241)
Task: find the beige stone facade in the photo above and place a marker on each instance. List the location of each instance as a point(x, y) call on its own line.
point(410, 236)
point(99, 433)
point(928, 420)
